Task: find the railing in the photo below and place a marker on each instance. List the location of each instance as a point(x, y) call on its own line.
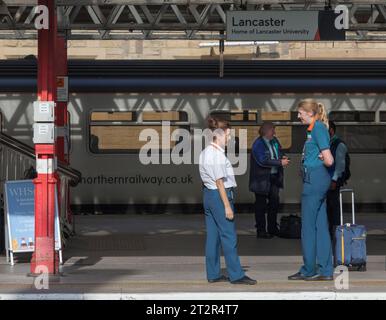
point(16, 158)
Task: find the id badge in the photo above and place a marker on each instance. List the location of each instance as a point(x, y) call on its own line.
point(231, 195)
point(306, 175)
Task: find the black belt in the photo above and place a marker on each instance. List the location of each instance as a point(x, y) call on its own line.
point(227, 189)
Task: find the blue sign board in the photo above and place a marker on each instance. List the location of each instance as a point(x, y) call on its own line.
point(20, 199)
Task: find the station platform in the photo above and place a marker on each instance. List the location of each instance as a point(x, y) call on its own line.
point(162, 257)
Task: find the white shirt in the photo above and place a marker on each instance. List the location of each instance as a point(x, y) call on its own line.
point(214, 165)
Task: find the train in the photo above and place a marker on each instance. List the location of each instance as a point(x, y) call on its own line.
point(112, 103)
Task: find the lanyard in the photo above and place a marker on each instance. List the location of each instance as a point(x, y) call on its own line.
point(272, 148)
point(309, 136)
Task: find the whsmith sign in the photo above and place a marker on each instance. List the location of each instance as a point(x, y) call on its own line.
point(20, 218)
point(283, 26)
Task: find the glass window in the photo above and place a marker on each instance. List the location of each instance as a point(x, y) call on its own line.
point(366, 116)
point(359, 138)
point(112, 116)
point(118, 131)
point(283, 133)
point(352, 116)
point(299, 134)
point(125, 139)
point(276, 116)
point(148, 116)
point(363, 138)
point(294, 116)
point(238, 116)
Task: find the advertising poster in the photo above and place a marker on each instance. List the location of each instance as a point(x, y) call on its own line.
point(21, 217)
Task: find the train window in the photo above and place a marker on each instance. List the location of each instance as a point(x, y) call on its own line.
point(248, 120)
point(366, 116)
point(382, 116)
point(352, 116)
point(118, 131)
point(342, 116)
point(125, 138)
point(148, 116)
point(299, 134)
point(294, 116)
point(276, 116)
point(363, 138)
point(283, 133)
point(238, 116)
point(252, 133)
point(113, 116)
point(359, 138)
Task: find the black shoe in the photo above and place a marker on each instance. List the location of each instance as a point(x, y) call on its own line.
point(319, 277)
point(264, 235)
point(245, 280)
point(274, 233)
point(221, 279)
point(297, 276)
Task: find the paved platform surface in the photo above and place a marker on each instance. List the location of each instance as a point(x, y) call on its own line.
point(133, 256)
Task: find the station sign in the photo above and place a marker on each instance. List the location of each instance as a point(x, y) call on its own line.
point(62, 89)
point(283, 26)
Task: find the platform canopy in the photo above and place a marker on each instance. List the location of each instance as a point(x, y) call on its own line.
point(172, 19)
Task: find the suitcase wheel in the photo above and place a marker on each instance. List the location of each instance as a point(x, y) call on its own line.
point(358, 268)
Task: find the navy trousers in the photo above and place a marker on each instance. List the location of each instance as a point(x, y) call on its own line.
point(316, 241)
point(268, 204)
point(333, 210)
point(221, 233)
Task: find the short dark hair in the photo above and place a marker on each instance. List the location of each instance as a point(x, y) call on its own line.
point(218, 122)
point(332, 125)
point(264, 127)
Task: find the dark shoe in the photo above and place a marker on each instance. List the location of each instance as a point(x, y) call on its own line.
point(264, 235)
point(221, 279)
point(245, 280)
point(297, 276)
point(275, 233)
point(319, 277)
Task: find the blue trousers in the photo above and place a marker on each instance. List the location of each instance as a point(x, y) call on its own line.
point(220, 233)
point(316, 241)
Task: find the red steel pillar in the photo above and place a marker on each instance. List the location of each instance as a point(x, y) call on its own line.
point(61, 106)
point(44, 255)
point(61, 119)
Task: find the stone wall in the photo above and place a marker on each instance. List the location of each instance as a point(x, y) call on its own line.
point(181, 49)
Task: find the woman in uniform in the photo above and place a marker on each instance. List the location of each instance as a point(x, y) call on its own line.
point(316, 242)
point(219, 182)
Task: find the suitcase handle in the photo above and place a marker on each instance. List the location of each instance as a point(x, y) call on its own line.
point(341, 191)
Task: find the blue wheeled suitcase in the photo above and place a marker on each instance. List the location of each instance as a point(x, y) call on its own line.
point(350, 240)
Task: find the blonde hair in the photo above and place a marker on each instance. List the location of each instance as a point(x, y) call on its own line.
point(317, 108)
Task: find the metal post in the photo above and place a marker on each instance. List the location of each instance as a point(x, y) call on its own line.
point(221, 49)
point(62, 121)
point(353, 207)
point(61, 106)
point(44, 255)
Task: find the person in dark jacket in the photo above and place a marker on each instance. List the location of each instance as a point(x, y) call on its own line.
point(338, 177)
point(266, 179)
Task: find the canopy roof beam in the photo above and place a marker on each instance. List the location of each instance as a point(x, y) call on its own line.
point(172, 19)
